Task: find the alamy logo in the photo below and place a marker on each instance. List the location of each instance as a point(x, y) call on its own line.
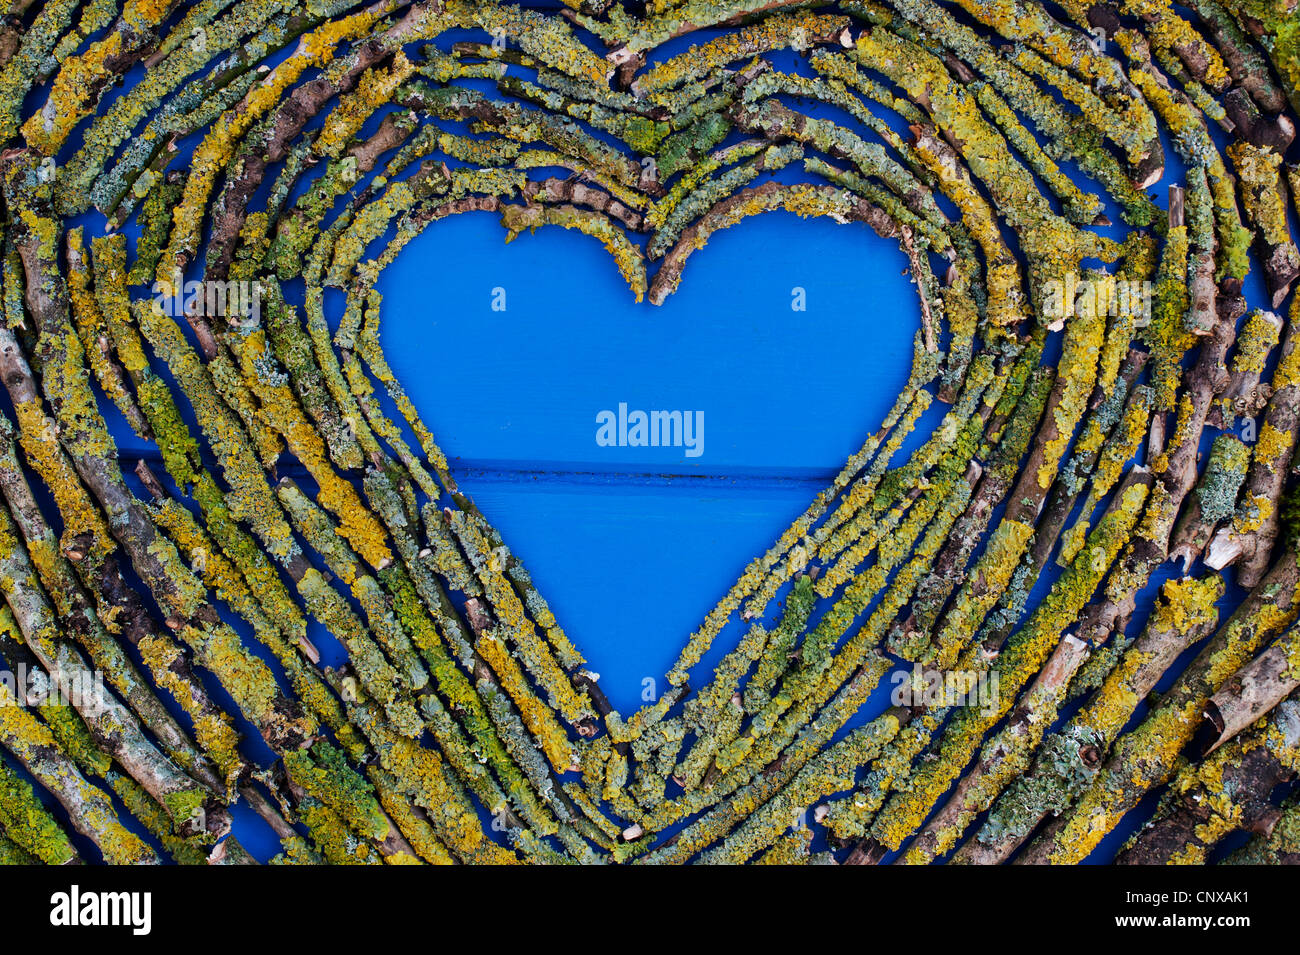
point(651, 429)
point(100, 909)
point(934, 689)
point(84, 690)
point(1091, 298)
point(208, 298)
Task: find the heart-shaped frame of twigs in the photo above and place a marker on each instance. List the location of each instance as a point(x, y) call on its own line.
point(264, 151)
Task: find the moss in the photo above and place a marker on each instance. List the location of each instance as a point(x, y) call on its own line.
point(216, 736)
point(1224, 473)
point(626, 255)
point(93, 814)
point(771, 33)
point(1022, 657)
point(324, 773)
point(28, 824)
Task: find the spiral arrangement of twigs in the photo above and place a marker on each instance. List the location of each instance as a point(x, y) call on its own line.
point(1113, 408)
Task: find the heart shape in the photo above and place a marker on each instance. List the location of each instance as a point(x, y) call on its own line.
point(306, 544)
point(517, 421)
